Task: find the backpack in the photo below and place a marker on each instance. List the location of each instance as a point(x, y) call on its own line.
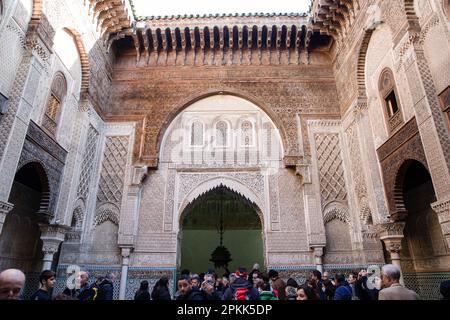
point(94, 289)
point(241, 294)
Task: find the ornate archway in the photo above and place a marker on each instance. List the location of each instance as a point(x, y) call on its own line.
point(220, 229)
point(20, 243)
point(424, 248)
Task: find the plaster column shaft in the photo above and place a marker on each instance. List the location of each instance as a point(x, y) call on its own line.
point(124, 274)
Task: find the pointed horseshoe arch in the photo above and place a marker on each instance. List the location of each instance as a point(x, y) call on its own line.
point(217, 182)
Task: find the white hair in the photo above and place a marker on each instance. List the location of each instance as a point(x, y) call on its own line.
point(392, 271)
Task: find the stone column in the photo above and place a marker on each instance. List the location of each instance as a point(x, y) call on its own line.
point(123, 277)
point(313, 215)
point(51, 236)
point(5, 208)
point(442, 208)
point(391, 234)
point(318, 254)
point(130, 213)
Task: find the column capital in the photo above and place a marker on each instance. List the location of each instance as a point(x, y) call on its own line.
point(318, 251)
point(53, 231)
point(126, 251)
point(52, 236)
point(390, 230)
point(304, 171)
point(441, 207)
point(139, 173)
point(50, 246)
point(5, 207)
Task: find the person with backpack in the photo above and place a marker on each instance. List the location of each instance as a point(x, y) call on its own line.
point(104, 288)
point(343, 289)
point(241, 289)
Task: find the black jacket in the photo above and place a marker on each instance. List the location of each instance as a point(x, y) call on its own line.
point(41, 295)
point(142, 295)
point(84, 293)
point(194, 295)
point(161, 293)
point(105, 290)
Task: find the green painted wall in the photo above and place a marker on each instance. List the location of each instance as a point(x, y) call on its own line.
point(245, 246)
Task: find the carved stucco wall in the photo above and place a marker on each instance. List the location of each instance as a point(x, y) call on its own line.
point(339, 207)
point(273, 189)
point(13, 26)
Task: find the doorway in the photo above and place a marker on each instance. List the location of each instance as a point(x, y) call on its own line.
point(221, 218)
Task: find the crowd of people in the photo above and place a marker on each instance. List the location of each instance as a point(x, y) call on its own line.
point(239, 285)
point(257, 285)
point(12, 282)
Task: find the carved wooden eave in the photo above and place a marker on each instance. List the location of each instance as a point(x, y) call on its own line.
point(111, 16)
point(272, 32)
point(333, 17)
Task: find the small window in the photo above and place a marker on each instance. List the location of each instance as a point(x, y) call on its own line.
point(221, 134)
point(197, 134)
point(52, 112)
point(391, 104)
point(246, 134)
point(389, 97)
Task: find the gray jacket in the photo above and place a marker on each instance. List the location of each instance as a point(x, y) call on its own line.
point(397, 292)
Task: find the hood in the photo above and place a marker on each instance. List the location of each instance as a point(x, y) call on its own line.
point(241, 283)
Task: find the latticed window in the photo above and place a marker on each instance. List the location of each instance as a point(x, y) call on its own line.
point(221, 133)
point(52, 108)
point(246, 133)
point(388, 94)
point(57, 94)
point(197, 134)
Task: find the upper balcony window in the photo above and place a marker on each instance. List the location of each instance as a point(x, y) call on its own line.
point(52, 112)
point(389, 97)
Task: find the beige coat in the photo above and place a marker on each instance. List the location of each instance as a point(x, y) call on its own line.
point(397, 292)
